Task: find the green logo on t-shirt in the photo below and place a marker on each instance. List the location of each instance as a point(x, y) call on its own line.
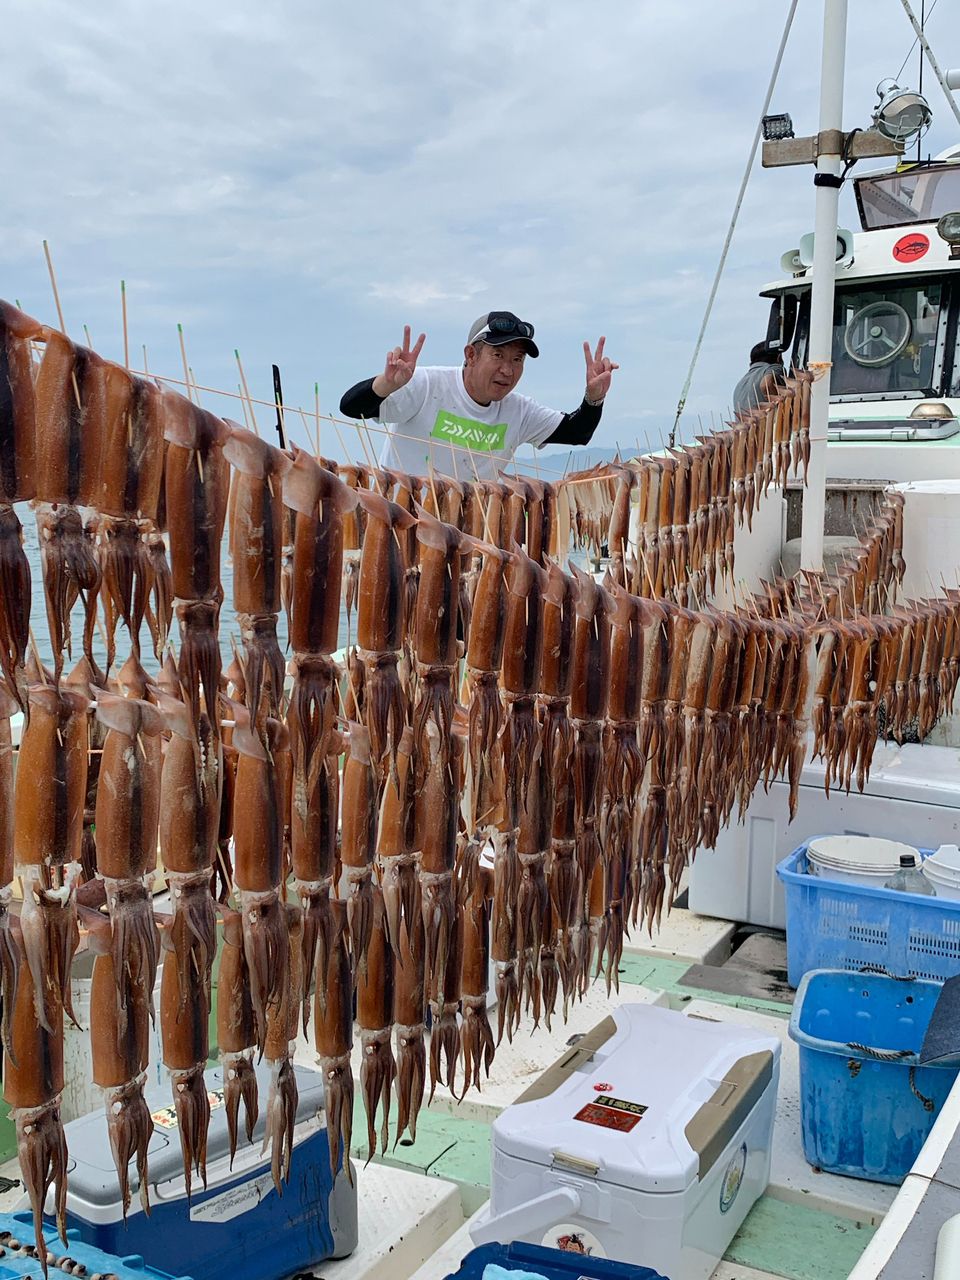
point(468, 433)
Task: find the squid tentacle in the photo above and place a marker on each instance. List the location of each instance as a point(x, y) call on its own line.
point(192, 1105)
point(411, 1064)
point(377, 1072)
point(130, 1128)
point(42, 1150)
point(240, 1085)
point(281, 1118)
point(338, 1103)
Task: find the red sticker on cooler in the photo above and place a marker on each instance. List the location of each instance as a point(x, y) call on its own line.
point(602, 1087)
point(911, 247)
point(611, 1113)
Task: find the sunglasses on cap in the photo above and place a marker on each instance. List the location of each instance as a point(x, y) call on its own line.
point(503, 322)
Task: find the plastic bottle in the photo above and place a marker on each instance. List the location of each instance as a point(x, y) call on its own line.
point(910, 879)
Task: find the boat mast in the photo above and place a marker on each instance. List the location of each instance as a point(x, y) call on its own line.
point(820, 355)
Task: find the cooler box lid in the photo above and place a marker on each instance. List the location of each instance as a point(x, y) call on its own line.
point(648, 1099)
point(923, 774)
point(93, 1175)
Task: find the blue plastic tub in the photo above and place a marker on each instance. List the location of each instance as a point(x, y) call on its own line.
point(831, 925)
point(16, 1262)
point(554, 1264)
point(866, 1107)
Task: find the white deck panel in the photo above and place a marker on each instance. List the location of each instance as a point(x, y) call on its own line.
point(684, 935)
point(791, 1178)
point(405, 1218)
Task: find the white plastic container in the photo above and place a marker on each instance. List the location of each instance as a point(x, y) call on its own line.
point(913, 795)
point(942, 869)
point(649, 1142)
point(863, 860)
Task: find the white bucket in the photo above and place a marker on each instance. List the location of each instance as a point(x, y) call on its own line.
point(864, 860)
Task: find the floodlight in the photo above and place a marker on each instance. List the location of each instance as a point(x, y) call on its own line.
point(901, 114)
point(777, 127)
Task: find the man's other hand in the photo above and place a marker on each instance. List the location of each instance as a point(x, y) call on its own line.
point(599, 372)
point(401, 363)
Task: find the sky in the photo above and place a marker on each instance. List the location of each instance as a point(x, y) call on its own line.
point(297, 180)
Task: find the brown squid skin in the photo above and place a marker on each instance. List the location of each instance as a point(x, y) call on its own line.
point(380, 598)
point(49, 798)
point(409, 1017)
point(18, 410)
point(324, 507)
point(197, 481)
point(282, 1022)
point(358, 840)
point(184, 1027)
point(236, 1032)
point(119, 1063)
point(476, 1037)
point(32, 1085)
point(9, 945)
point(503, 948)
point(396, 843)
point(375, 1003)
point(256, 521)
point(15, 586)
point(333, 1032)
point(70, 411)
point(444, 1031)
point(258, 821)
point(437, 813)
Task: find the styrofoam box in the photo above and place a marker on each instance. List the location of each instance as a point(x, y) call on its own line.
point(913, 795)
point(650, 1140)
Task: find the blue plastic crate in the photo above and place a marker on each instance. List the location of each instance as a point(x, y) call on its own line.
point(16, 1262)
point(831, 925)
point(866, 1107)
point(554, 1264)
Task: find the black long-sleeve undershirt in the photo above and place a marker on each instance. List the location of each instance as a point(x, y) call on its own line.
point(361, 401)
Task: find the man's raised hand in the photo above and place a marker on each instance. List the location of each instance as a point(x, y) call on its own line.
point(599, 372)
point(401, 363)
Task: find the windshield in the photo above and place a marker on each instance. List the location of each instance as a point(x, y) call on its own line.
point(885, 338)
point(921, 194)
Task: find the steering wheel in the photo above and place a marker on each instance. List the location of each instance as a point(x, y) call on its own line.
point(877, 334)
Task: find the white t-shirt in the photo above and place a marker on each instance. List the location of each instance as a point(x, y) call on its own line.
point(435, 409)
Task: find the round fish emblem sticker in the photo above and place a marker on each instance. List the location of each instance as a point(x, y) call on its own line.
point(733, 1179)
point(570, 1237)
point(911, 246)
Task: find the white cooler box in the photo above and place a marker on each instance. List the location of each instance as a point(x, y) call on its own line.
point(648, 1143)
point(912, 794)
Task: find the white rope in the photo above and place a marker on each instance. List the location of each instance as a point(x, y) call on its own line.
point(681, 404)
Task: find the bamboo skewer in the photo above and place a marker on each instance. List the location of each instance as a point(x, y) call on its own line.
point(246, 391)
point(126, 340)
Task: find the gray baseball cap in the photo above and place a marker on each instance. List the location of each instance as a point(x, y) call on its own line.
point(497, 328)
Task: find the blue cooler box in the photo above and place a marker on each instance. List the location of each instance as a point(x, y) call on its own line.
point(866, 1106)
point(236, 1229)
point(553, 1264)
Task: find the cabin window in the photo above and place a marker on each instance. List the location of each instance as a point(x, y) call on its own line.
point(885, 338)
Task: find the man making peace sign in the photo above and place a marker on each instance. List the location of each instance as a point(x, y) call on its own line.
point(474, 407)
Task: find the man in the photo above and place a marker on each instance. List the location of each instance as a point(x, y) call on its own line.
point(468, 420)
point(766, 372)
